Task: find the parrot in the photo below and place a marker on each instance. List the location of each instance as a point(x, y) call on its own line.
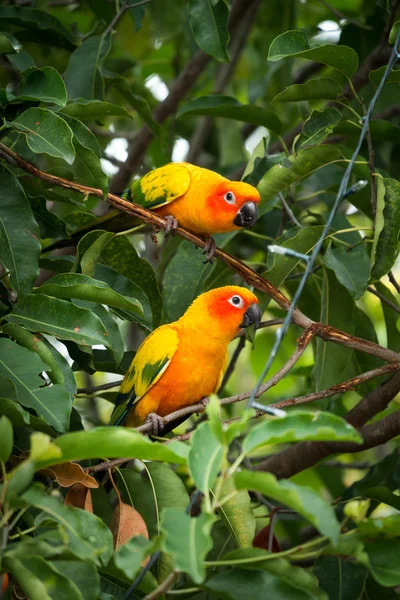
point(195, 198)
point(181, 363)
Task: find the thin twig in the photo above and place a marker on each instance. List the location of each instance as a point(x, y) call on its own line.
point(384, 299)
point(393, 281)
point(233, 362)
point(341, 15)
point(288, 210)
point(99, 388)
point(164, 586)
point(337, 464)
point(112, 25)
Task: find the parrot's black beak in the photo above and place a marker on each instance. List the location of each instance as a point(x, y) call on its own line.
point(247, 215)
point(252, 316)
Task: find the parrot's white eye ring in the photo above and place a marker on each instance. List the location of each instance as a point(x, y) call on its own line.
point(236, 301)
point(230, 198)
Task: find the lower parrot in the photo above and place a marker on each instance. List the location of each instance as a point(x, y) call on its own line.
point(181, 363)
point(195, 198)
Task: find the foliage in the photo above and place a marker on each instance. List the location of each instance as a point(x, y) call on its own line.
point(259, 90)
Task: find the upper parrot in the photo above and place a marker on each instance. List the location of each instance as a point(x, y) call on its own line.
point(179, 364)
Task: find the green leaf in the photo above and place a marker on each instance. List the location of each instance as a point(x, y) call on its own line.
point(323, 88)
point(138, 103)
point(82, 287)
point(92, 255)
point(209, 23)
point(218, 105)
point(45, 132)
point(239, 584)
point(303, 164)
point(376, 76)
point(300, 425)
point(351, 268)
point(318, 126)
point(19, 246)
point(83, 134)
point(295, 44)
point(82, 76)
point(88, 537)
point(32, 20)
point(57, 585)
point(130, 556)
point(83, 574)
point(205, 457)
point(22, 367)
point(112, 442)
point(301, 499)
point(6, 46)
point(95, 109)
point(332, 362)
point(62, 319)
point(50, 225)
point(386, 244)
point(237, 514)
point(384, 495)
point(341, 579)
point(188, 540)
point(45, 85)
point(6, 438)
point(393, 338)
point(384, 558)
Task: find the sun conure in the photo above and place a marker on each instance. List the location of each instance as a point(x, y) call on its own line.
point(181, 363)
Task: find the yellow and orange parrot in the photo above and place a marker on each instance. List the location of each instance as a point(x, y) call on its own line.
point(195, 198)
point(181, 363)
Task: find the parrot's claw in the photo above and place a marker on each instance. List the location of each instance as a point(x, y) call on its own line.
point(156, 422)
point(209, 249)
point(172, 225)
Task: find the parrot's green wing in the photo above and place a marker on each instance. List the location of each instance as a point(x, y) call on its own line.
point(161, 186)
point(150, 362)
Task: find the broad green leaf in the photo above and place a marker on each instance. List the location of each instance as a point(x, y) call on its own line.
point(6, 438)
point(333, 363)
point(82, 287)
point(50, 225)
point(300, 425)
point(83, 134)
point(112, 442)
point(384, 495)
point(33, 20)
point(351, 268)
point(82, 76)
point(205, 457)
point(209, 23)
point(384, 559)
point(323, 88)
point(387, 527)
point(83, 574)
point(29, 583)
point(227, 107)
point(239, 584)
point(188, 540)
point(19, 246)
point(87, 168)
point(151, 492)
point(386, 245)
point(138, 103)
point(22, 367)
point(58, 586)
point(6, 46)
point(394, 32)
point(89, 538)
point(213, 412)
point(376, 76)
point(301, 499)
point(114, 337)
point(94, 109)
point(237, 514)
point(91, 256)
point(294, 44)
point(130, 556)
point(303, 164)
point(45, 85)
point(379, 129)
point(318, 126)
point(45, 132)
point(341, 579)
point(60, 318)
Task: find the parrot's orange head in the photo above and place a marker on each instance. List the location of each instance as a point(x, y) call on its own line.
point(226, 310)
point(233, 205)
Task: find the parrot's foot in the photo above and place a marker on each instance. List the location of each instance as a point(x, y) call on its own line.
point(209, 249)
point(172, 225)
point(156, 422)
point(204, 401)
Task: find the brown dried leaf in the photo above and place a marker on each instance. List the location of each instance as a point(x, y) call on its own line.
point(79, 496)
point(127, 523)
point(70, 473)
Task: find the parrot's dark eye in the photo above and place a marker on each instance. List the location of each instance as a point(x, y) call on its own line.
point(230, 198)
point(236, 301)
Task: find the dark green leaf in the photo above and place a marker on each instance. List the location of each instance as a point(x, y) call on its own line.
point(94, 109)
point(51, 226)
point(45, 132)
point(301, 499)
point(217, 105)
point(83, 574)
point(6, 46)
point(22, 367)
point(341, 579)
point(82, 77)
point(6, 438)
point(45, 85)
point(295, 44)
point(83, 134)
point(19, 246)
point(323, 88)
point(386, 246)
point(351, 268)
point(391, 317)
point(376, 76)
point(318, 126)
point(130, 556)
point(138, 103)
point(384, 558)
point(52, 31)
point(237, 514)
point(209, 23)
point(205, 457)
